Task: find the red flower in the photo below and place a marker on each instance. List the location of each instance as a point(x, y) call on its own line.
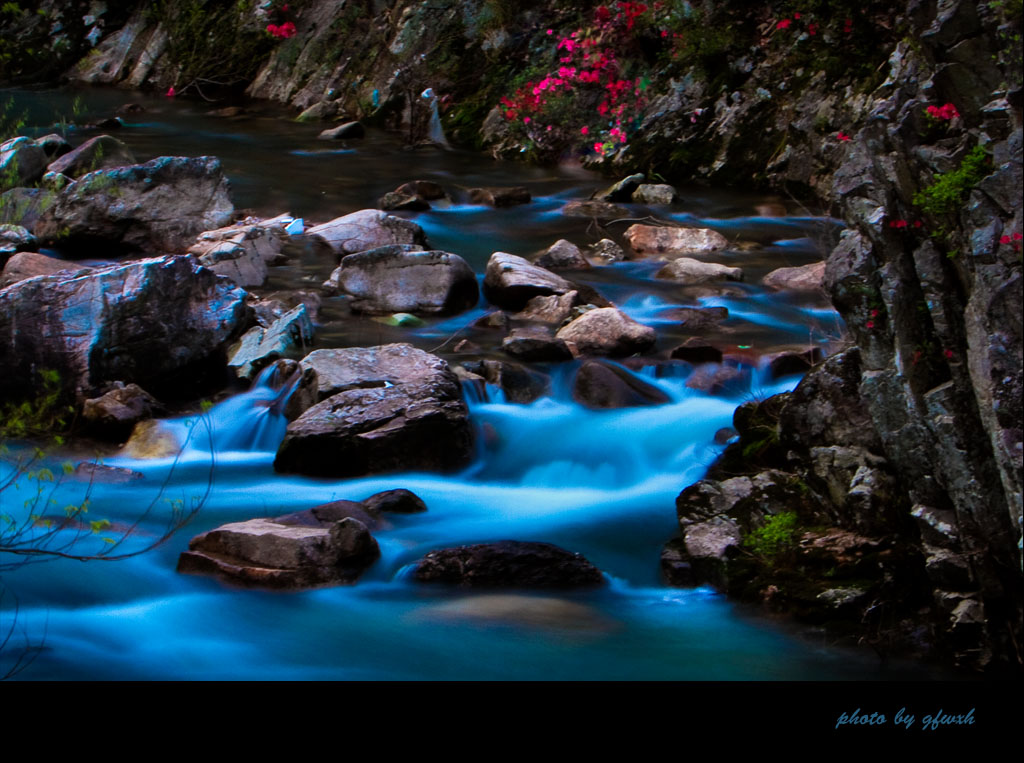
point(1005, 240)
point(796, 16)
point(948, 353)
point(784, 24)
point(171, 92)
point(843, 136)
point(874, 313)
point(812, 29)
point(917, 223)
point(897, 223)
point(870, 324)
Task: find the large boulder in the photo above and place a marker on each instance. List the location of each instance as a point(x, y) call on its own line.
point(101, 152)
point(608, 331)
point(508, 564)
point(285, 552)
point(387, 408)
point(156, 322)
point(159, 206)
point(24, 206)
point(367, 229)
point(391, 279)
point(653, 240)
point(114, 415)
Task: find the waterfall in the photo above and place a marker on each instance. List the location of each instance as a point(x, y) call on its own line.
point(435, 131)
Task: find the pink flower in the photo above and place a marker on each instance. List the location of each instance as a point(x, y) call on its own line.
point(551, 31)
point(897, 223)
point(584, 130)
point(874, 313)
point(948, 353)
point(843, 136)
point(796, 16)
point(870, 324)
point(171, 92)
point(526, 120)
point(812, 29)
point(1005, 240)
point(784, 24)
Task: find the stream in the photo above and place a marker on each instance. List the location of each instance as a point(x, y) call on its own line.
point(602, 483)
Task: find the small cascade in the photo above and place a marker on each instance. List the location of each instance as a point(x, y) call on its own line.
point(435, 131)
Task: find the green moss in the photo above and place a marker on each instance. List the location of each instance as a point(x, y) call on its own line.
point(778, 536)
point(948, 192)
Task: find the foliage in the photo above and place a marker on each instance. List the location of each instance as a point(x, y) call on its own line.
point(778, 536)
point(947, 193)
point(211, 43)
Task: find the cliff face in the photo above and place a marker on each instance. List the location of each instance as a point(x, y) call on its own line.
point(906, 121)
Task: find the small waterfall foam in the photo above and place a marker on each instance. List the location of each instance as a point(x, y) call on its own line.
point(435, 131)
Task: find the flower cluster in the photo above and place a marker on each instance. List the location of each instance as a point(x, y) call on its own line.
point(1014, 240)
point(282, 31)
point(588, 95)
point(842, 136)
point(944, 113)
point(871, 322)
point(903, 223)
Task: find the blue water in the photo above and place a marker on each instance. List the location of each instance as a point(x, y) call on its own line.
point(602, 483)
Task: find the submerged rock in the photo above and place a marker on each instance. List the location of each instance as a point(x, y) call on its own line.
point(601, 210)
point(605, 385)
point(159, 206)
point(344, 131)
point(398, 501)
point(387, 408)
point(508, 564)
point(536, 344)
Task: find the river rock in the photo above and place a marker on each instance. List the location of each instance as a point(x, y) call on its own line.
point(101, 152)
point(519, 383)
point(367, 229)
point(607, 250)
point(260, 347)
point(159, 206)
point(15, 238)
point(114, 415)
point(390, 408)
point(563, 255)
point(696, 351)
point(266, 553)
point(508, 564)
point(399, 501)
point(689, 271)
point(344, 131)
point(151, 440)
point(789, 362)
point(54, 145)
point(654, 193)
point(536, 344)
point(243, 252)
point(93, 473)
point(390, 280)
point(803, 278)
point(600, 210)
point(156, 322)
point(653, 239)
point(30, 264)
point(695, 319)
point(717, 379)
point(608, 331)
point(621, 191)
point(427, 190)
point(24, 206)
point(511, 281)
point(400, 201)
point(22, 162)
point(499, 197)
point(554, 309)
point(605, 385)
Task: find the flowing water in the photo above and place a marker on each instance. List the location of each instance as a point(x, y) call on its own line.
point(601, 483)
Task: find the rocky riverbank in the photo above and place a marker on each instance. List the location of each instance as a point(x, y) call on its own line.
point(904, 529)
